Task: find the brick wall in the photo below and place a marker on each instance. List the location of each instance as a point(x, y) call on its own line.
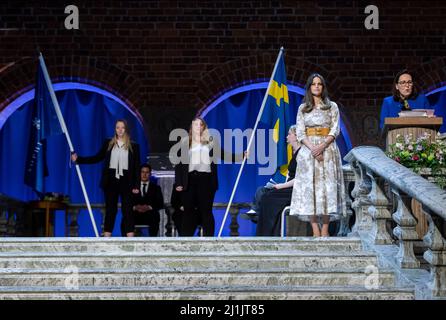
point(168, 59)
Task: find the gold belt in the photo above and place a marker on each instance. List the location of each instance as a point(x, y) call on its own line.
point(317, 131)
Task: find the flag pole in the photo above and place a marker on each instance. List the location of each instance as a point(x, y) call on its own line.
point(67, 135)
point(250, 141)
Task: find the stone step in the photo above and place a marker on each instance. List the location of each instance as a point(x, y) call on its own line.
point(185, 244)
point(140, 277)
point(208, 292)
point(224, 261)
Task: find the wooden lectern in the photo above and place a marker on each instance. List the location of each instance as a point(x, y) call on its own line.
point(416, 126)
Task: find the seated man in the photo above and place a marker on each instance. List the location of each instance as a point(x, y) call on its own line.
point(148, 202)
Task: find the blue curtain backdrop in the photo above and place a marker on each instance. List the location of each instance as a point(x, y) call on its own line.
point(438, 103)
point(240, 111)
point(90, 118)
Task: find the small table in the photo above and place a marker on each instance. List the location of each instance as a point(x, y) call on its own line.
point(49, 205)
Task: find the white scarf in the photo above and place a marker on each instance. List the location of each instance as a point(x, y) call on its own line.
point(119, 159)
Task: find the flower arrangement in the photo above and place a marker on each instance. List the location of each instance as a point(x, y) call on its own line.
point(421, 155)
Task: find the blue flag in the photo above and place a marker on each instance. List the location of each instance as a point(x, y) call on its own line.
point(275, 117)
point(44, 123)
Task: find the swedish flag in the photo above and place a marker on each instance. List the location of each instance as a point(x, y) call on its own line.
point(275, 117)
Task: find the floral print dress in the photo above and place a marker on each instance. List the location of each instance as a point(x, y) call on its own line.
point(318, 186)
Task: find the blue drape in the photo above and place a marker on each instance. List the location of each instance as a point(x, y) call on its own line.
point(240, 111)
point(437, 101)
point(90, 118)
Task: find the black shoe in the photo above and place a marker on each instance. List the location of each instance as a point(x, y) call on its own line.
point(250, 215)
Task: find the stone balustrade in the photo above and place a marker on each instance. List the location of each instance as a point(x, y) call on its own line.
point(382, 199)
point(12, 216)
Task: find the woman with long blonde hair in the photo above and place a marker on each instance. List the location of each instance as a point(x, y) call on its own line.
point(196, 178)
point(120, 176)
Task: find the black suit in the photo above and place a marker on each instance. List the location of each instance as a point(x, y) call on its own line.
point(113, 188)
point(153, 198)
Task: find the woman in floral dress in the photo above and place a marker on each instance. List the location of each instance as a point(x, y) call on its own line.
point(318, 191)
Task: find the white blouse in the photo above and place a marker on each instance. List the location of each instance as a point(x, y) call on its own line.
point(119, 159)
point(199, 159)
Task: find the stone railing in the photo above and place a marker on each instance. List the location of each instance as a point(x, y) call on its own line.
point(12, 216)
point(382, 198)
point(166, 223)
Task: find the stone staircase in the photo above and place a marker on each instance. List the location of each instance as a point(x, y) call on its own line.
point(193, 268)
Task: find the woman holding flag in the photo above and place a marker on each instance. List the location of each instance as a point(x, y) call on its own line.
point(120, 176)
point(318, 191)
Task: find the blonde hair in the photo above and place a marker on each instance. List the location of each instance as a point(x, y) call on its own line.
point(204, 132)
point(125, 138)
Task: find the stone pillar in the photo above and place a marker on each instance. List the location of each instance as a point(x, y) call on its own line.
point(3, 222)
point(20, 222)
point(73, 227)
point(360, 204)
point(436, 256)
point(405, 231)
point(10, 229)
point(234, 226)
point(349, 177)
point(379, 210)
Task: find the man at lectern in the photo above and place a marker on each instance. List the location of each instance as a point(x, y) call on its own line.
point(405, 97)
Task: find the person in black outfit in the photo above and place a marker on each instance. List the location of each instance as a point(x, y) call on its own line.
point(177, 208)
point(176, 200)
point(147, 203)
point(196, 178)
point(273, 201)
point(119, 176)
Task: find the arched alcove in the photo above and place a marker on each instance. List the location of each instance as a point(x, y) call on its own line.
point(238, 108)
point(90, 113)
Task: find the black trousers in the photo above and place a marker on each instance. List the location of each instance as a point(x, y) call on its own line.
point(271, 205)
point(118, 188)
point(198, 199)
